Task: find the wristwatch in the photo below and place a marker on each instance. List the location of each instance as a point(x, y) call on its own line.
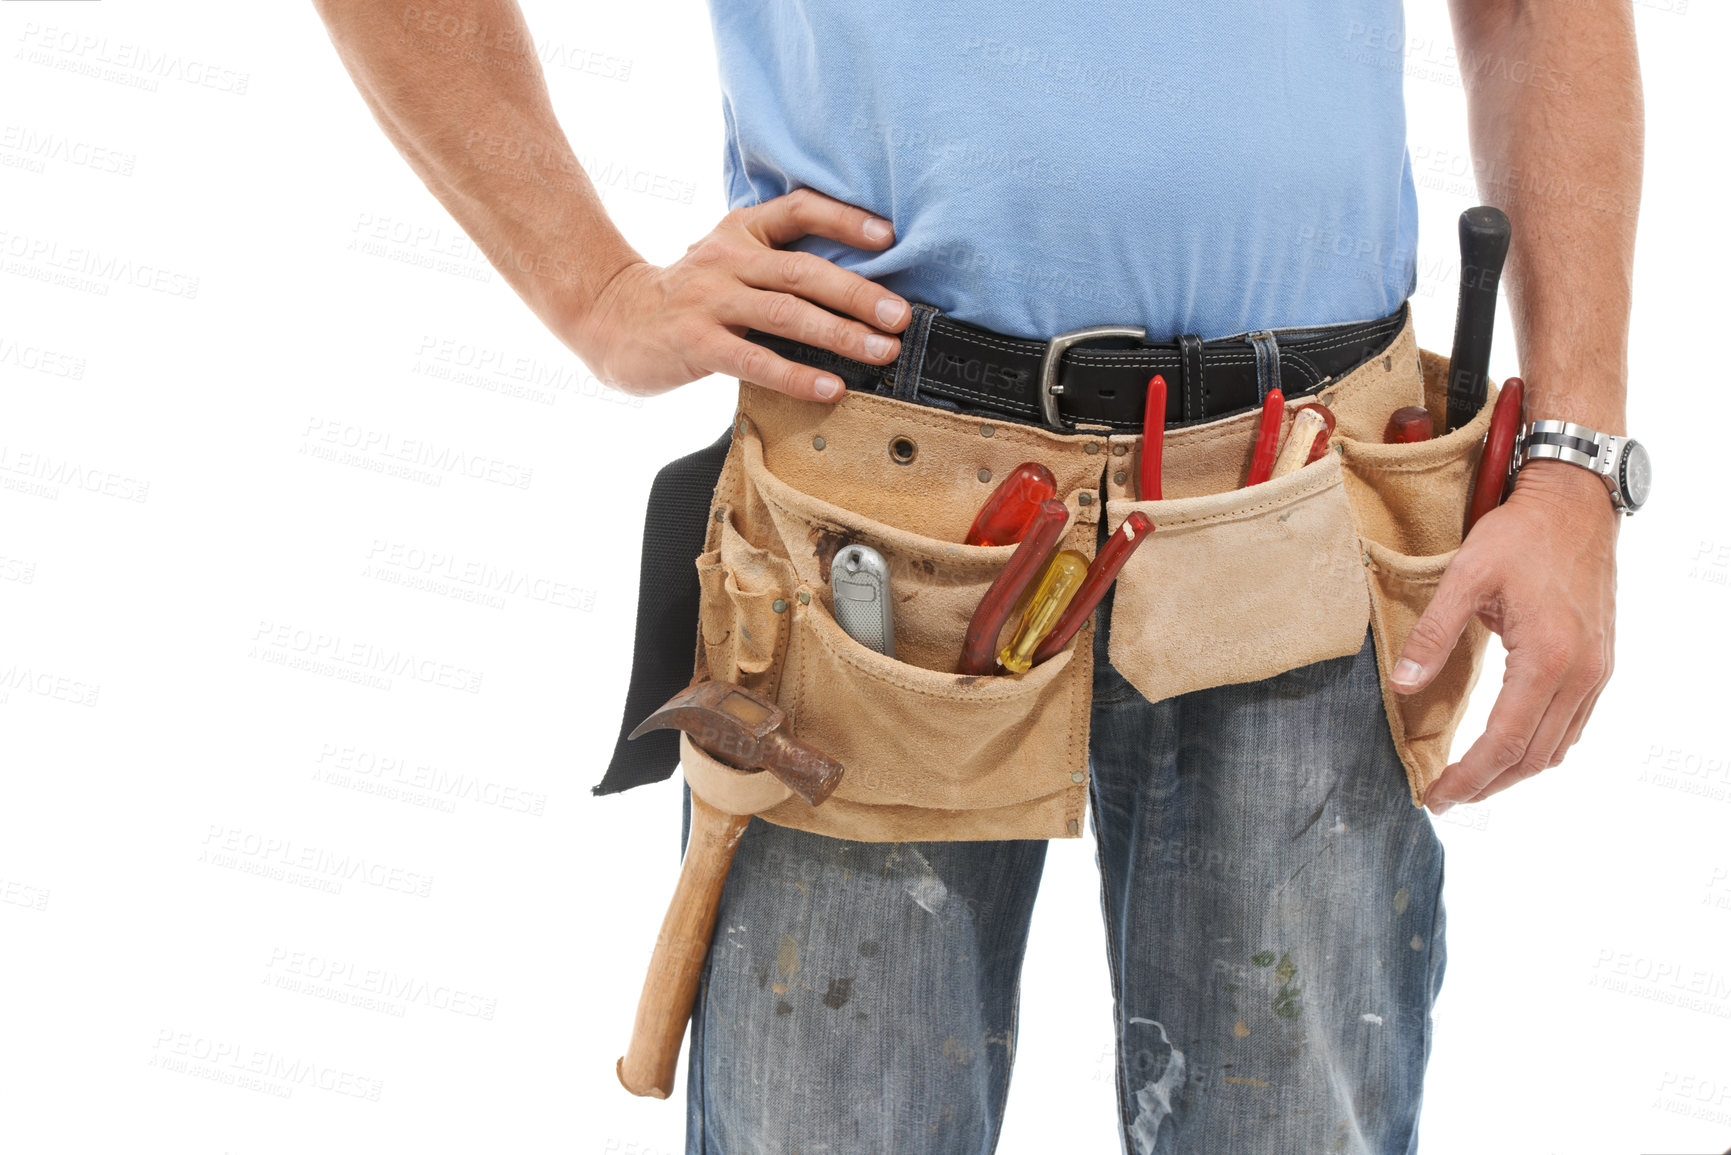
point(1621, 462)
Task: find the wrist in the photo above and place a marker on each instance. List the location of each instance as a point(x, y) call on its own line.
point(1568, 489)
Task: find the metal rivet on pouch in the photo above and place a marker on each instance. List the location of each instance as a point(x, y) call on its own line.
point(902, 450)
point(1077, 776)
point(742, 425)
point(1120, 450)
point(984, 475)
point(1074, 827)
point(818, 443)
point(1085, 498)
point(1091, 448)
point(987, 431)
point(1120, 477)
point(721, 515)
point(779, 605)
point(805, 597)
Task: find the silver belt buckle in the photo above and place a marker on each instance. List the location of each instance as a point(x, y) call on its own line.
point(1050, 390)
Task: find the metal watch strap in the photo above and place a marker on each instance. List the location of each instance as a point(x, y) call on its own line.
point(1563, 441)
point(1599, 453)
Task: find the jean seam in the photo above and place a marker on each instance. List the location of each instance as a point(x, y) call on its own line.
point(1003, 1096)
point(1433, 988)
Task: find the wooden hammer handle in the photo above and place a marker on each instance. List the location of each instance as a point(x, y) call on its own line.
point(670, 987)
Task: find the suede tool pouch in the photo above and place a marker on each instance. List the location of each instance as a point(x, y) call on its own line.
point(929, 754)
point(1410, 503)
point(1241, 584)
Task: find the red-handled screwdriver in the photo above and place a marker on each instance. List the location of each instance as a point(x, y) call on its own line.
point(1010, 510)
point(1153, 440)
point(980, 648)
point(1409, 425)
point(1117, 550)
point(1267, 438)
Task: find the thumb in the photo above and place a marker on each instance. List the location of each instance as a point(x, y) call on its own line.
point(1434, 635)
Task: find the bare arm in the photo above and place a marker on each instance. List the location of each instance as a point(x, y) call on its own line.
point(460, 92)
point(1555, 116)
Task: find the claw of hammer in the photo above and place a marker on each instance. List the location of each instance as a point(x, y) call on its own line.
point(747, 732)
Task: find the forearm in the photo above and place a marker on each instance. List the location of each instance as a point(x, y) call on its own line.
point(459, 91)
point(1555, 117)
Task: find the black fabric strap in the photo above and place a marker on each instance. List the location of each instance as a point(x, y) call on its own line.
point(665, 643)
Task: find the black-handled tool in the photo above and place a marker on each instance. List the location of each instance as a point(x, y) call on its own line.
point(1484, 245)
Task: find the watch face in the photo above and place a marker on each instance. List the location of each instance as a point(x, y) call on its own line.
point(1637, 474)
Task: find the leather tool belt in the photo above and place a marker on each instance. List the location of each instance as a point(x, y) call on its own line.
point(1098, 375)
point(1235, 585)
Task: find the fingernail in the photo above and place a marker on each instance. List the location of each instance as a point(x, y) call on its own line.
point(878, 345)
point(877, 229)
point(1441, 807)
point(828, 388)
point(1406, 672)
point(890, 312)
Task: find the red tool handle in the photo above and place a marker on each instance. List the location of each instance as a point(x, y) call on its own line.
point(1153, 442)
point(1010, 510)
point(1408, 425)
point(980, 649)
point(1117, 550)
point(1499, 447)
point(1267, 438)
point(1320, 445)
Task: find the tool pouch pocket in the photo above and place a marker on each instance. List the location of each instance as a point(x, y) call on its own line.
point(1241, 584)
point(929, 754)
point(1410, 503)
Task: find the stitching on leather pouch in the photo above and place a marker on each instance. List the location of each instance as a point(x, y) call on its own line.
point(865, 534)
point(1235, 514)
point(948, 427)
point(1408, 467)
point(992, 694)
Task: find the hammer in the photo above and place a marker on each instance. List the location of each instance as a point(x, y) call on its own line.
point(747, 732)
point(1484, 245)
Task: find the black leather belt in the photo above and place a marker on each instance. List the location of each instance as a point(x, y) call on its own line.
point(1063, 383)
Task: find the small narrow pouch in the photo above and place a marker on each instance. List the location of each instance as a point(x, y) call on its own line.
point(1410, 503)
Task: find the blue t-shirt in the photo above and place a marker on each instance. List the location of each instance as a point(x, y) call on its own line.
point(1189, 167)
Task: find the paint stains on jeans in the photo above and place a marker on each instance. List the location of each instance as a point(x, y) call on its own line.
point(840, 991)
point(1154, 1102)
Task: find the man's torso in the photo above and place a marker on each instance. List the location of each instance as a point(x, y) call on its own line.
point(1189, 168)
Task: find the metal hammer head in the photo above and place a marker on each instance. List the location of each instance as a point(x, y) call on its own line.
point(747, 732)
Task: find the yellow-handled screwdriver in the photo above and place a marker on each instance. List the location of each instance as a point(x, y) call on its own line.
point(1057, 584)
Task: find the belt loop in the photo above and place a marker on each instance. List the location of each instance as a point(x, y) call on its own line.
point(1267, 363)
point(906, 384)
point(1190, 364)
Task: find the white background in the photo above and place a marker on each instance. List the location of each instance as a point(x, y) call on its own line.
point(170, 537)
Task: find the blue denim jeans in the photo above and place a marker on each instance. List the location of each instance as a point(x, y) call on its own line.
point(1274, 917)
